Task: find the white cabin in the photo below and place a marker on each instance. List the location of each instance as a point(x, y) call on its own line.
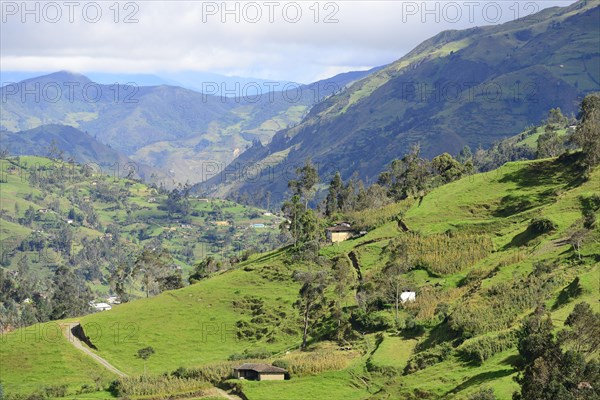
point(101, 306)
point(407, 296)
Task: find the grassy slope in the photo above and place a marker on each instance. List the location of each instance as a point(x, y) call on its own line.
point(39, 356)
point(500, 203)
point(196, 324)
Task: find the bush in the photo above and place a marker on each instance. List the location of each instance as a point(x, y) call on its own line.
point(483, 394)
point(279, 363)
point(428, 358)
point(246, 354)
point(235, 385)
point(480, 349)
point(473, 276)
point(544, 267)
point(55, 391)
point(541, 225)
point(371, 321)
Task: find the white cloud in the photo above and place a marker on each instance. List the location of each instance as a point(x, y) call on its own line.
point(186, 35)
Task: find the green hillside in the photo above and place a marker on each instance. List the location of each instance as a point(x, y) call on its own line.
point(482, 266)
point(97, 220)
point(469, 87)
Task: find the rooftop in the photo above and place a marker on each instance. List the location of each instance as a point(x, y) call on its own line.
point(261, 368)
point(340, 228)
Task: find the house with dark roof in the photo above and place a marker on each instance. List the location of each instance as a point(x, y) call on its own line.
point(259, 372)
point(339, 232)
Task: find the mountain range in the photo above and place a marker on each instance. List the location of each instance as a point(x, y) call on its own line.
point(503, 77)
point(174, 129)
point(469, 87)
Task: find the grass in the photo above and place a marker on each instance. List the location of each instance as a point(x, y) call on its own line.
point(197, 323)
point(39, 356)
point(394, 351)
point(195, 326)
point(330, 385)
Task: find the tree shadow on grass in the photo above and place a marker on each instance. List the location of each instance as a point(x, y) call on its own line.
point(522, 239)
point(564, 170)
point(511, 360)
point(440, 334)
point(480, 379)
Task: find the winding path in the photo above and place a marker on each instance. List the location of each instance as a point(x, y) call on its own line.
point(66, 330)
point(79, 345)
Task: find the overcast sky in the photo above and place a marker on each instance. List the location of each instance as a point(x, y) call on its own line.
point(298, 41)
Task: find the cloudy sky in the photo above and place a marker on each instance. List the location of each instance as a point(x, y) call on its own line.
point(298, 41)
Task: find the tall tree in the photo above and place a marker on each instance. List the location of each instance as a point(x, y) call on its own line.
point(293, 210)
point(587, 134)
point(584, 329)
point(153, 264)
point(549, 143)
point(311, 300)
point(332, 204)
point(556, 119)
point(406, 177)
point(304, 186)
point(447, 168)
point(546, 372)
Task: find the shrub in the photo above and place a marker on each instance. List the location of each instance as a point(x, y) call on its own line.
point(544, 267)
point(55, 391)
point(428, 358)
point(246, 354)
point(281, 364)
point(480, 349)
point(235, 385)
point(373, 218)
point(145, 353)
point(483, 394)
point(498, 307)
point(371, 321)
point(473, 276)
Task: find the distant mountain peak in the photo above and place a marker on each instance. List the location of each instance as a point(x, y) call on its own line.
point(63, 76)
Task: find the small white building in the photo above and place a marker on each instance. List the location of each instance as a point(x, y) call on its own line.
point(113, 300)
point(407, 296)
point(101, 306)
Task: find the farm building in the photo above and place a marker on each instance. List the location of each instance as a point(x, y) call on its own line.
point(101, 306)
point(259, 372)
point(408, 295)
point(339, 232)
